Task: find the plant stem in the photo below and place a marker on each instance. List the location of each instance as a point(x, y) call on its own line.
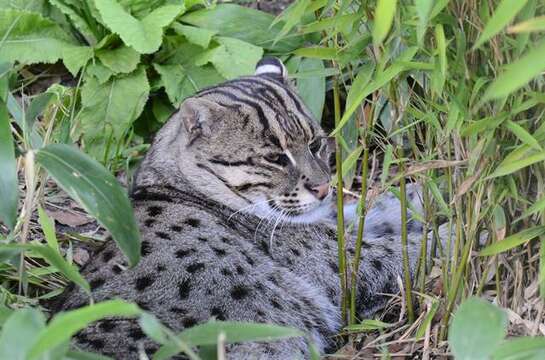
point(404, 240)
point(340, 205)
point(359, 238)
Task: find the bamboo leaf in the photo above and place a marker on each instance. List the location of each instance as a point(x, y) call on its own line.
point(512, 163)
point(532, 25)
point(384, 16)
point(351, 160)
point(523, 135)
point(512, 241)
point(64, 325)
point(48, 227)
point(518, 73)
point(97, 191)
point(504, 13)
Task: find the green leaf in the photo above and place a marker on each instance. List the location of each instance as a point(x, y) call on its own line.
point(360, 82)
point(531, 25)
point(245, 24)
point(423, 9)
point(109, 109)
point(504, 13)
point(152, 328)
point(81, 355)
point(48, 227)
point(477, 329)
point(77, 20)
point(9, 189)
point(31, 38)
point(538, 206)
point(145, 35)
point(64, 325)
point(233, 58)
point(19, 331)
point(523, 135)
point(121, 60)
point(53, 257)
point(522, 348)
point(76, 57)
point(312, 89)
point(351, 160)
point(512, 241)
point(384, 16)
point(97, 191)
point(518, 73)
point(195, 35)
point(513, 162)
point(317, 52)
point(368, 325)
point(381, 79)
point(291, 16)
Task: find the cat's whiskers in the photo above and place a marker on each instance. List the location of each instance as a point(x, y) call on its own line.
point(251, 206)
point(278, 219)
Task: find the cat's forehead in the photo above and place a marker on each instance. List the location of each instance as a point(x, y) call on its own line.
point(273, 106)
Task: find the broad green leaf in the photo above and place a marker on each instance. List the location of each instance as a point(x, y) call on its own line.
point(245, 24)
point(109, 109)
point(518, 73)
point(75, 57)
point(97, 191)
point(9, 189)
point(532, 25)
point(312, 89)
point(65, 324)
point(19, 332)
point(317, 52)
point(195, 35)
point(503, 14)
point(523, 135)
point(512, 241)
point(233, 58)
point(48, 227)
point(180, 82)
point(53, 257)
point(441, 48)
point(76, 19)
point(145, 36)
point(31, 38)
point(477, 329)
point(120, 60)
point(384, 16)
point(98, 71)
point(335, 24)
point(522, 348)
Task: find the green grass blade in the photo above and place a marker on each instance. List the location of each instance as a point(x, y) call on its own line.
point(503, 14)
point(532, 25)
point(518, 73)
point(8, 172)
point(512, 241)
point(64, 325)
point(48, 227)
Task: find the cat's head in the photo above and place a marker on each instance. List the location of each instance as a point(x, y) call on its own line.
point(252, 144)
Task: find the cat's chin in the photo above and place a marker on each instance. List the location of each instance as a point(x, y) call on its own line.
point(321, 212)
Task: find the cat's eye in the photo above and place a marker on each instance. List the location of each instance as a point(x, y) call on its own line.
point(315, 146)
point(279, 158)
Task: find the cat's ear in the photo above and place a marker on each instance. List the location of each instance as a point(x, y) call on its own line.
point(197, 115)
point(272, 67)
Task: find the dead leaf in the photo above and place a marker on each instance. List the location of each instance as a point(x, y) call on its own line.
point(69, 218)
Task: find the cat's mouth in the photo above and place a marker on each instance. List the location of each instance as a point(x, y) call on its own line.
point(289, 212)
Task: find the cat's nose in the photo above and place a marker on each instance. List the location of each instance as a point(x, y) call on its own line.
point(321, 191)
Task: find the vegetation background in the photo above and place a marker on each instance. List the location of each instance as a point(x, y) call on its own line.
point(448, 94)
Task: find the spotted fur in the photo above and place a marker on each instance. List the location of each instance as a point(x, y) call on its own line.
point(220, 199)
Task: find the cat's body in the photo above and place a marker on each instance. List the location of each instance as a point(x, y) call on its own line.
point(212, 249)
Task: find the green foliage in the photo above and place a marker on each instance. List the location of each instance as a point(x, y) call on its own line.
point(97, 191)
point(8, 175)
point(478, 332)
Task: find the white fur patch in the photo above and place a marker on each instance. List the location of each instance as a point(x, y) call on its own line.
point(268, 69)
